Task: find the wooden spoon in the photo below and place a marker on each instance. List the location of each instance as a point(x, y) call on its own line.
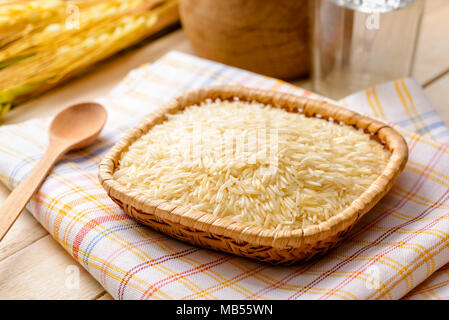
point(73, 128)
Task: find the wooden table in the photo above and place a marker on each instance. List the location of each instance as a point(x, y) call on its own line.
point(34, 266)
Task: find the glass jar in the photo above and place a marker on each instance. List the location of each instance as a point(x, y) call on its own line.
point(360, 43)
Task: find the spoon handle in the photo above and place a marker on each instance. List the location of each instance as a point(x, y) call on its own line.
point(19, 197)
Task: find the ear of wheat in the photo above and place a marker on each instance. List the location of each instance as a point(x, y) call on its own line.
point(43, 43)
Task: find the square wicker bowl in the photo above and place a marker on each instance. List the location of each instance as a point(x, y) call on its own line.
point(206, 230)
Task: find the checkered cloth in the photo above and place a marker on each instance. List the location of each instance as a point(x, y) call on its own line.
point(395, 247)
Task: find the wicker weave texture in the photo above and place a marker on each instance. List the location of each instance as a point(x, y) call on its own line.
point(206, 230)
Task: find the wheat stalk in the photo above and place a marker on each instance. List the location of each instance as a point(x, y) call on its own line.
point(44, 42)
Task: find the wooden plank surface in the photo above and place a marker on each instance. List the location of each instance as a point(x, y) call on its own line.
point(34, 266)
point(105, 296)
point(432, 59)
point(43, 270)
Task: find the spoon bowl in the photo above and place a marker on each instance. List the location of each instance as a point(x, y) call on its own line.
point(79, 125)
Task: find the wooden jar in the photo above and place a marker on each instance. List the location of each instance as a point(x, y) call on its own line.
point(270, 37)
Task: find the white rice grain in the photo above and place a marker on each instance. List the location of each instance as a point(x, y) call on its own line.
point(253, 163)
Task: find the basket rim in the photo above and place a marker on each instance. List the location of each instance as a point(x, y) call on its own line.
point(207, 222)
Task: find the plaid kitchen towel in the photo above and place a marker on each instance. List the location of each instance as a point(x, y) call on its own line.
point(410, 108)
point(395, 247)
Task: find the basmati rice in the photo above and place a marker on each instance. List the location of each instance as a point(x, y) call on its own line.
point(253, 163)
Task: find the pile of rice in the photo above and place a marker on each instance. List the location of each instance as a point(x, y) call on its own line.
point(253, 163)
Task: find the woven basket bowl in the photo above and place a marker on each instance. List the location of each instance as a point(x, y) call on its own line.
point(206, 230)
